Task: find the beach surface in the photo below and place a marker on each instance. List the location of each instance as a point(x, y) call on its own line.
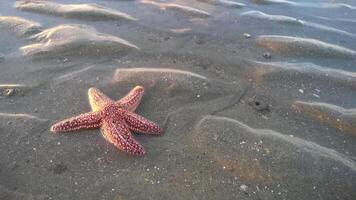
point(256, 98)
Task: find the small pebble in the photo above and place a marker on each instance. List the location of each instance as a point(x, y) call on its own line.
point(267, 55)
point(315, 95)
point(199, 41)
point(247, 35)
point(9, 92)
point(243, 187)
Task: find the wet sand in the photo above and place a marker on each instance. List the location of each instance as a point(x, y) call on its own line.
point(256, 98)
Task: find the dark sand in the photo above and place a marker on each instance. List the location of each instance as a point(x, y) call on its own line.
point(237, 124)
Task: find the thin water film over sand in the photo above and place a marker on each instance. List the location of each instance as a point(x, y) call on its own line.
point(256, 99)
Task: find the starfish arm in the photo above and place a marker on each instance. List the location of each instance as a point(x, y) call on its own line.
point(97, 99)
point(117, 133)
point(83, 121)
point(132, 99)
point(140, 124)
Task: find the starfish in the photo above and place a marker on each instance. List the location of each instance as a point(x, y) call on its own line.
point(115, 118)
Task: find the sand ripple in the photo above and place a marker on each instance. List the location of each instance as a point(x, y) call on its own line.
point(20, 115)
point(19, 26)
point(304, 47)
point(225, 3)
point(268, 157)
point(186, 10)
point(72, 10)
point(337, 76)
point(305, 4)
point(74, 40)
point(275, 18)
point(329, 114)
point(292, 21)
point(172, 81)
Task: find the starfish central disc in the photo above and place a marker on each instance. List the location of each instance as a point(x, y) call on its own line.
point(115, 118)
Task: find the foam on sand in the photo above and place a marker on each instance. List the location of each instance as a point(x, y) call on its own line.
point(304, 47)
point(72, 10)
point(74, 40)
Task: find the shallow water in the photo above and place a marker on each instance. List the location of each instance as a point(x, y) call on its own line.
point(256, 98)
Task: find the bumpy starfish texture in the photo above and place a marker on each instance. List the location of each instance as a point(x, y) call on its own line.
point(115, 118)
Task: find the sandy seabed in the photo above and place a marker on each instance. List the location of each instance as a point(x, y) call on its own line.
point(256, 98)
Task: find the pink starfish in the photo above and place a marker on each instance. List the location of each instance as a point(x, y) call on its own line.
point(116, 119)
